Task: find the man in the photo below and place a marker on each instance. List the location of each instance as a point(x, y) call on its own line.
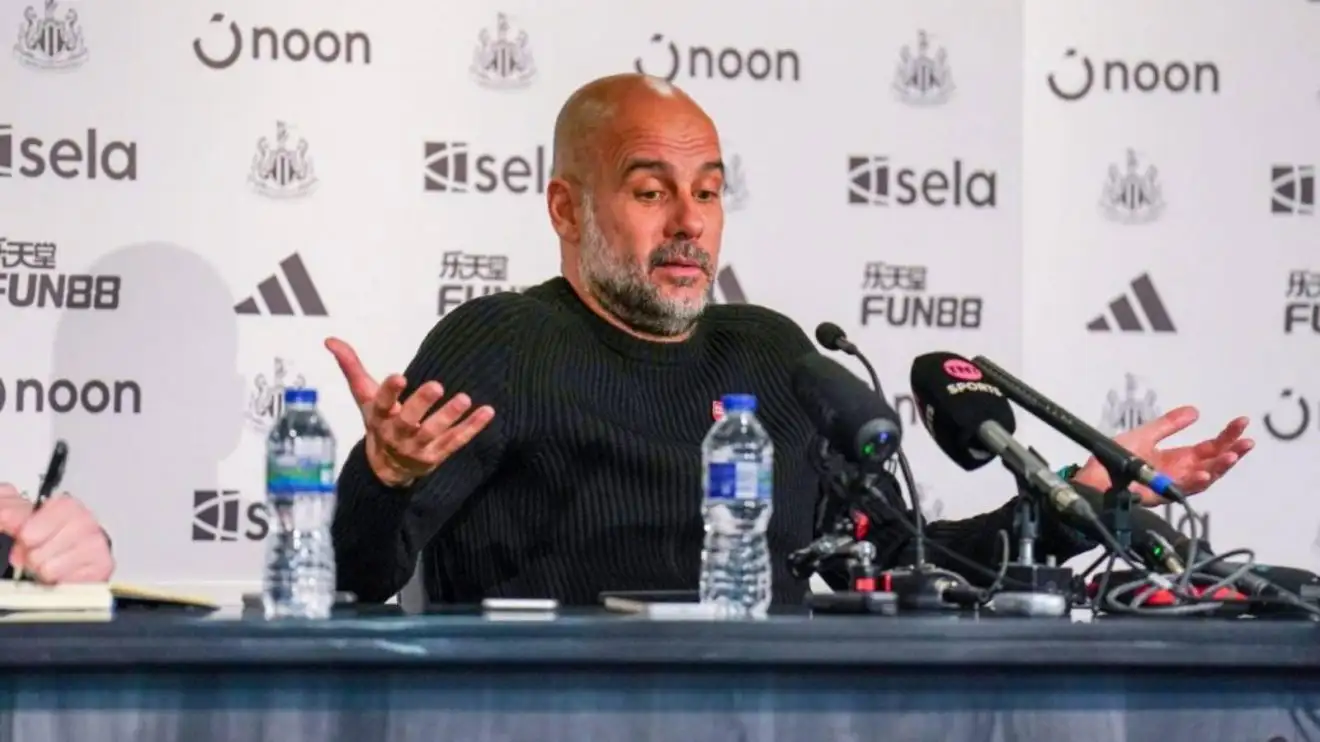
point(547, 444)
point(61, 542)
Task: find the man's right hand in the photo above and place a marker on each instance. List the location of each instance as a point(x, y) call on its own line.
point(403, 443)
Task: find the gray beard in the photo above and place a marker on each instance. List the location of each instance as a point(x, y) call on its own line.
point(621, 287)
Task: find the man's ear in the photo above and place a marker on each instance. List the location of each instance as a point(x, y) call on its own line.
point(562, 200)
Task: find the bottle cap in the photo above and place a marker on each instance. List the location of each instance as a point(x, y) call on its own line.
point(299, 396)
point(739, 402)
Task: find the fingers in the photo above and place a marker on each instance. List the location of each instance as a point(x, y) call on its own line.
point(461, 434)
point(62, 542)
point(420, 403)
point(360, 383)
point(1229, 439)
point(446, 416)
point(385, 403)
point(1171, 422)
point(14, 510)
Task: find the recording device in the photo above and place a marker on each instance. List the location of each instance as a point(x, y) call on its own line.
point(860, 426)
point(973, 424)
point(1121, 463)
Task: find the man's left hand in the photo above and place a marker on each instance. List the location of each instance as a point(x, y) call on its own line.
point(60, 542)
point(1192, 468)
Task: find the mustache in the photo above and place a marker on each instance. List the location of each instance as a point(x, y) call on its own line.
point(675, 251)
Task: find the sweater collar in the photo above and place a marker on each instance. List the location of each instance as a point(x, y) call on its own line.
point(626, 344)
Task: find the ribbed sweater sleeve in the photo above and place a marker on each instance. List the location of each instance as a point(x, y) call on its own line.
point(379, 530)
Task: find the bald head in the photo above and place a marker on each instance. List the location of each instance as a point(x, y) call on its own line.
point(635, 200)
point(597, 111)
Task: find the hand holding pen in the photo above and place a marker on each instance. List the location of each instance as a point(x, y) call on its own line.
point(56, 538)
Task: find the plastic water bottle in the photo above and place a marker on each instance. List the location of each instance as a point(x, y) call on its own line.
point(300, 494)
point(738, 464)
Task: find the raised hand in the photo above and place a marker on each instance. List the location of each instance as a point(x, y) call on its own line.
point(1193, 468)
point(403, 442)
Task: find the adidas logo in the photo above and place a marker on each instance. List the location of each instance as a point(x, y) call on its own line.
point(273, 294)
point(1125, 315)
point(726, 289)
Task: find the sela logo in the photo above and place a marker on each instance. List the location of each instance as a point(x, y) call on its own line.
point(276, 300)
point(1304, 301)
point(874, 180)
point(91, 158)
point(1130, 410)
point(1116, 76)
point(452, 167)
point(468, 276)
point(28, 280)
point(266, 402)
point(223, 515)
point(726, 288)
point(897, 295)
point(727, 63)
point(63, 396)
point(1125, 314)
point(50, 40)
point(923, 79)
point(1293, 190)
point(284, 170)
point(1132, 197)
point(500, 62)
point(295, 45)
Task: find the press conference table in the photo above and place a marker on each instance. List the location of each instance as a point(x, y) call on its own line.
point(595, 677)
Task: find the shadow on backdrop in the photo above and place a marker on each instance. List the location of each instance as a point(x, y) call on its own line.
point(166, 410)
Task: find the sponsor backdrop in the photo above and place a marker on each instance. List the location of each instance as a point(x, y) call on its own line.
point(193, 197)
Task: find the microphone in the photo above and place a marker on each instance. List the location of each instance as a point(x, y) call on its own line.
point(972, 423)
point(1114, 457)
point(859, 425)
point(832, 337)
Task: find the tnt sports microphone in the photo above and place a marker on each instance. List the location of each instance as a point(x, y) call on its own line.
point(1109, 453)
point(972, 423)
point(858, 424)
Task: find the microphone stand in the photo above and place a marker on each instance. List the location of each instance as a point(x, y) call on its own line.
point(1025, 572)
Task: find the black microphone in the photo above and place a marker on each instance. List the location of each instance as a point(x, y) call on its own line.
point(859, 425)
point(973, 424)
point(832, 337)
point(1113, 456)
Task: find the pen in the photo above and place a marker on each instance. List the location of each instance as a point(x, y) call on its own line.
point(54, 474)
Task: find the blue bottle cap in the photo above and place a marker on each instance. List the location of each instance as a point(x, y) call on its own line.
point(739, 402)
point(299, 396)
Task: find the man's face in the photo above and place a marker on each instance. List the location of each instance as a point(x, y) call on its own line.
point(652, 221)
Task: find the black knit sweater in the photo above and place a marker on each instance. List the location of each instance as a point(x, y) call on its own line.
point(589, 477)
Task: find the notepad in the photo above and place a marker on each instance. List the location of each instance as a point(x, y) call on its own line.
point(32, 596)
point(16, 596)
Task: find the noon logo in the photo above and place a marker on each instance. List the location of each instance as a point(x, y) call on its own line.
point(93, 157)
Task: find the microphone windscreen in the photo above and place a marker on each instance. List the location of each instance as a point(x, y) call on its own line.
point(953, 402)
point(845, 410)
point(828, 335)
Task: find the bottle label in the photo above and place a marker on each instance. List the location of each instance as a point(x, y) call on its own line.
point(291, 474)
point(743, 480)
